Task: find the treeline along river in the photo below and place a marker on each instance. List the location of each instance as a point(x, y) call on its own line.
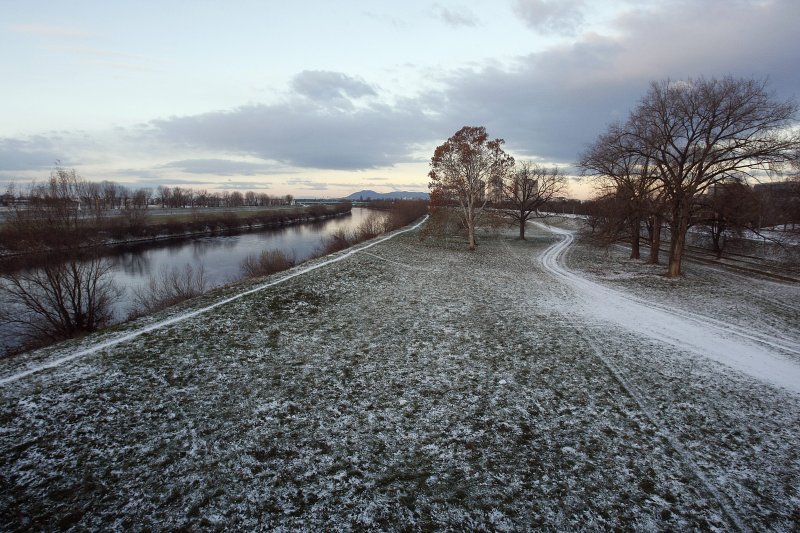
point(219, 255)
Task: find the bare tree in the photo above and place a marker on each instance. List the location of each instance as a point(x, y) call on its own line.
point(526, 188)
point(694, 134)
point(700, 132)
point(52, 218)
point(236, 199)
point(68, 296)
point(464, 169)
point(135, 211)
point(627, 176)
point(727, 208)
point(164, 195)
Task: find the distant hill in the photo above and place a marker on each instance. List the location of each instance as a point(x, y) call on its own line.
point(396, 195)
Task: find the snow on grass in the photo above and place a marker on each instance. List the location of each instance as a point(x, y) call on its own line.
point(413, 386)
point(740, 347)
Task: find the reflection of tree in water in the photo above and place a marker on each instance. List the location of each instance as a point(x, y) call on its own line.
point(279, 233)
point(132, 263)
point(200, 247)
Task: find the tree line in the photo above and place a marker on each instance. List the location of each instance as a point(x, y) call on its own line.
point(184, 197)
point(66, 211)
point(99, 197)
point(687, 154)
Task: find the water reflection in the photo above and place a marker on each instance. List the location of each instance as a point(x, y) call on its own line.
point(219, 255)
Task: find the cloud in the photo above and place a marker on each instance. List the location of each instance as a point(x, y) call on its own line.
point(324, 85)
point(154, 180)
point(301, 134)
point(34, 153)
point(308, 185)
point(224, 167)
point(563, 16)
point(457, 18)
point(244, 185)
point(552, 104)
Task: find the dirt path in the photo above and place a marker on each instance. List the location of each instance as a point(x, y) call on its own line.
point(745, 350)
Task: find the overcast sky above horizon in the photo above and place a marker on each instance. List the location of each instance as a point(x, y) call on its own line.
point(321, 98)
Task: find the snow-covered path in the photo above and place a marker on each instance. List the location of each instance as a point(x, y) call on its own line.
point(745, 350)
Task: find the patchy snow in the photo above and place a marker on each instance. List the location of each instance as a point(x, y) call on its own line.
point(742, 348)
point(333, 258)
point(411, 386)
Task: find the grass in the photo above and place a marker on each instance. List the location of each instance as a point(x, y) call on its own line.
point(416, 386)
point(195, 215)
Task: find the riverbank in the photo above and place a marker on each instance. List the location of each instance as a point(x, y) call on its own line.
point(411, 384)
point(192, 223)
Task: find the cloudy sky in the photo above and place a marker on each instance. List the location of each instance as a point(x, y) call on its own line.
point(319, 98)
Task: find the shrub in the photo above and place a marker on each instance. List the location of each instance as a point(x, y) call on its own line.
point(266, 263)
point(169, 287)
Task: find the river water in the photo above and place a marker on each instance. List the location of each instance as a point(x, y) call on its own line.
point(219, 255)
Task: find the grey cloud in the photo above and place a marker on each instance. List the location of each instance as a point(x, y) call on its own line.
point(299, 134)
point(460, 17)
point(324, 85)
point(307, 184)
point(154, 181)
point(223, 167)
point(550, 15)
point(244, 185)
point(33, 153)
point(553, 104)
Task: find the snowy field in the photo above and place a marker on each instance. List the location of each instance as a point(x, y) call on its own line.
point(415, 385)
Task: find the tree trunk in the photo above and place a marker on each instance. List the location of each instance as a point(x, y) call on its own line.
point(635, 238)
point(471, 231)
point(522, 229)
point(655, 240)
point(717, 238)
point(678, 228)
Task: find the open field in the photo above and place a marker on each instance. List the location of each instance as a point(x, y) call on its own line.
point(414, 384)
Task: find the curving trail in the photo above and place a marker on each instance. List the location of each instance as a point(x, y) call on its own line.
point(747, 351)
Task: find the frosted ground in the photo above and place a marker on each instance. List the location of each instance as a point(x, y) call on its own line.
point(416, 385)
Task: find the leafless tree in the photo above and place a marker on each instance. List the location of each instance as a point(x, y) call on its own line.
point(700, 132)
point(164, 195)
point(627, 180)
point(727, 208)
point(135, 211)
point(69, 296)
point(528, 187)
point(464, 170)
point(236, 199)
point(52, 218)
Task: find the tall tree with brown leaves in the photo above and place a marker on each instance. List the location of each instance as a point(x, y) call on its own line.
point(465, 169)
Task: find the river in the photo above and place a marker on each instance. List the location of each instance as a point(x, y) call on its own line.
point(219, 255)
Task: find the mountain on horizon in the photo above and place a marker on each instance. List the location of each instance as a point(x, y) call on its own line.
point(396, 195)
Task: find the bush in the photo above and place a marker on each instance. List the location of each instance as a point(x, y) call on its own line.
point(266, 263)
point(401, 213)
point(169, 287)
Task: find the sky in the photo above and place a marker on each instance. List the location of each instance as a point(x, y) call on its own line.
point(321, 99)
